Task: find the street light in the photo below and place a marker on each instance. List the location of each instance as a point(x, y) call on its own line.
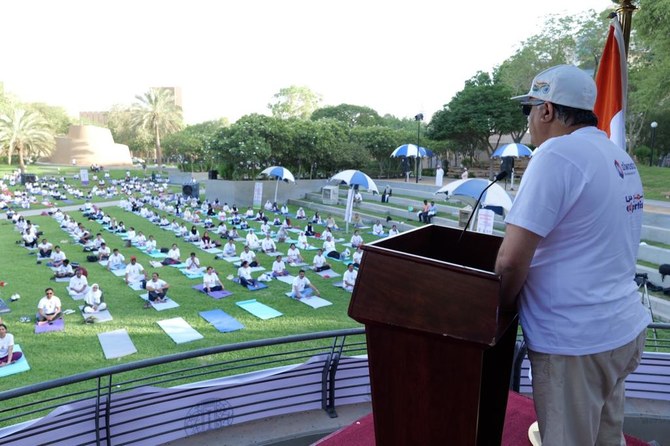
point(653, 140)
point(418, 118)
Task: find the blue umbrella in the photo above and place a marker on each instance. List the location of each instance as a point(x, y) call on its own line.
point(281, 173)
point(515, 150)
point(410, 151)
point(355, 178)
point(468, 191)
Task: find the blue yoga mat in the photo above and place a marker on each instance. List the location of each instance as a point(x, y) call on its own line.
point(116, 344)
point(221, 320)
point(258, 309)
point(19, 366)
point(4, 308)
point(213, 294)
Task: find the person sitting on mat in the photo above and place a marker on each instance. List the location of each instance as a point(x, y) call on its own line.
point(45, 248)
point(279, 267)
point(7, 353)
point(349, 278)
point(116, 260)
point(65, 270)
point(211, 281)
point(78, 284)
point(48, 308)
point(57, 257)
point(377, 228)
point(268, 245)
point(249, 256)
point(358, 256)
point(94, 300)
point(157, 289)
point(135, 272)
point(356, 239)
point(300, 283)
point(319, 263)
point(192, 263)
point(293, 255)
point(244, 274)
point(229, 249)
point(329, 248)
point(173, 256)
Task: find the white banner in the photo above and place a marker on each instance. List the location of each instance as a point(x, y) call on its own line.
point(83, 176)
point(258, 195)
point(485, 221)
point(350, 206)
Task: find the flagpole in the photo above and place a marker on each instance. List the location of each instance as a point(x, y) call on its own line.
point(625, 11)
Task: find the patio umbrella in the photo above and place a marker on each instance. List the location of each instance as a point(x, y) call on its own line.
point(410, 151)
point(469, 190)
point(281, 173)
point(515, 150)
point(353, 178)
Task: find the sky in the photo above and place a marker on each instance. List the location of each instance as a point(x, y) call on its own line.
point(231, 58)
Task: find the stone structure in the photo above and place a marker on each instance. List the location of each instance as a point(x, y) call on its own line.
point(88, 144)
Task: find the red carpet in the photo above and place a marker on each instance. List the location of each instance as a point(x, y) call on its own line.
point(520, 415)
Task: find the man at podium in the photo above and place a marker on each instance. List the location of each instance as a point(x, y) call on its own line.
point(569, 256)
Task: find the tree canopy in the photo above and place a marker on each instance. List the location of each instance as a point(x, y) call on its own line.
point(294, 102)
point(157, 112)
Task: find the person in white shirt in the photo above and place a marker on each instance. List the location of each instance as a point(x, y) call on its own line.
point(29, 239)
point(229, 249)
point(330, 223)
point(173, 256)
point(249, 256)
point(49, 307)
point(221, 229)
point(268, 205)
point(326, 233)
point(356, 239)
point(150, 244)
point(284, 209)
point(131, 234)
point(377, 228)
point(349, 278)
point(64, 270)
point(394, 230)
point(329, 248)
point(300, 214)
point(268, 245)
point(319, 262)
point(78, 286)
point(252, 240)
point(303, 242)
point(193, 263)
point(157, 289)
point(266, 229)
point(57, 257)
point(116, 260)
point(193, 235)
point(94, 301)
point(244, 274)
point(300, 284)
point(357, 257)
point(45, 248)
point(103, 252)
point(135, 272)
point(293, 255)
point(278, 267)
point(7, 353)
point(183, 231)
point(211, 281)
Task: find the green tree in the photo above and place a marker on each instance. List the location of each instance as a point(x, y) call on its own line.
point(351, 115)
point(194, 144)
point(55, 116)
point(27, 133)
point(294, 102)
point(157, 112)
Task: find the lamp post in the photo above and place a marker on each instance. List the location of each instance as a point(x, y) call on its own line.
point(418, 118)
point(653, 140)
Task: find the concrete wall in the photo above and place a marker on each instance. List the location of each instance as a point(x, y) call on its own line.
point(88, 144)
point(242, 192)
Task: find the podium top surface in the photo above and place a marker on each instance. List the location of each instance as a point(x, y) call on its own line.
point(431, 280)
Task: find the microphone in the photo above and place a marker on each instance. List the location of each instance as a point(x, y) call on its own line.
point(501, 176)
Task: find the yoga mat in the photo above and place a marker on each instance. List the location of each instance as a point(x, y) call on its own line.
point(161, 306)
point(297, 264)
point(213, 250)
point(192, 274)
point(328, 274)
point(221, 320)
point(286, 279)
point(213, 294)
point(104, 263)
point(231, 259)
point(259, 286)
point(258, 309)
point(100, 316)
point(178, 265)
point(254, 269)
point(376, 235)
point(274, 254)
point(19, 366)
point(179, 330)
point(157, 255)
point(313, 301)
point(57, 325)
point(119, 272)
point(80, 296)
point(116, 344)
point(4, 308)
point(62, 279)
point(341, 285)
point(137, 286)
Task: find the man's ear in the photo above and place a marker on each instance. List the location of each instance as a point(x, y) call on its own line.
point(547, 112)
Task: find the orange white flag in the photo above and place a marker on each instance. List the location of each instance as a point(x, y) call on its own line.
point(612, 83)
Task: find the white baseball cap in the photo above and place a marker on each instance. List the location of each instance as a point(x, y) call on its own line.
point(563, 85)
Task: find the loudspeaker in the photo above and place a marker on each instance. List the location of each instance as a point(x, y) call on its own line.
point(213, 174)
point(507, 165)
point(28, 178)
point(191, 190)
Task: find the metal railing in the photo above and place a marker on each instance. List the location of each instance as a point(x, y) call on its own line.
point(190, 392)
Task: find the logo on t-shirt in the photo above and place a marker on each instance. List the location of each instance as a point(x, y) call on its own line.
point(634, 203)
point(624, 168)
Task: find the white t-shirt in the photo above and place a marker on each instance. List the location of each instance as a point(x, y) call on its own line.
point(153, 285)
point(278, 266)
point(268, 245)
point(583, 195)
point(57, 256)
point(300, 283)
point(349, 277)
point(49, 306)
point(64, 269)
point(78, 282)
point(378, 229)
point(328, 246)
point(356, 240)
point(319, 260)
point(5, 343)
point(249, 256)
point(244, 272)
point(192, 263)
point(210, 280)
point(293, 255)
point(174, 253)
point(357, 257)
point(229, 250)
point(116, 259)
point(135, 272)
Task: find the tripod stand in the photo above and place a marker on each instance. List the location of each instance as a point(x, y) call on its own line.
point(641, 279)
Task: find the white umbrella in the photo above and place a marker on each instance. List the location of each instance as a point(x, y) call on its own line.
point(409, 151)
point(353, 178)
point(469, 190)
point(514, 149)
point(281, 173)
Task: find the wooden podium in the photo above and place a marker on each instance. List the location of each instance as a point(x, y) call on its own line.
point(439, 347)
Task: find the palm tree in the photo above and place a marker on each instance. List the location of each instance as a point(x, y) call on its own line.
point(26, 132)
point(157, 112)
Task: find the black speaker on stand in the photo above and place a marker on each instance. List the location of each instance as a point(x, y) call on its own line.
point(213, 174)
point(191, 190)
